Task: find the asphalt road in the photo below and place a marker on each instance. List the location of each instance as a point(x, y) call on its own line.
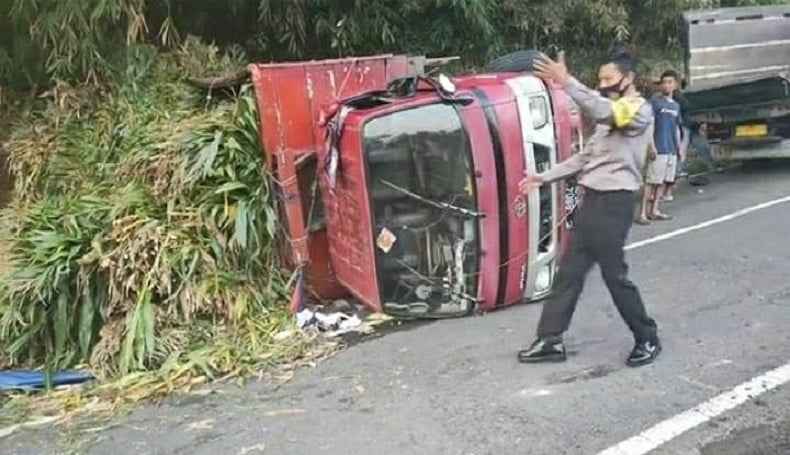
point(720, 294)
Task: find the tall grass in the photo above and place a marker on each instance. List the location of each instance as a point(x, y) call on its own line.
point(140, 230)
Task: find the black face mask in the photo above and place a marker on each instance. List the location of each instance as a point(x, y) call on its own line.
point(614, 88)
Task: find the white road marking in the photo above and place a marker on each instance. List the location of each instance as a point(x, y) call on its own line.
point(709, 223)
point(673, 427)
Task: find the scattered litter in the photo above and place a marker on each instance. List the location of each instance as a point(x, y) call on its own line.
point(331, 324)
point(37, 380)
point(338, 318)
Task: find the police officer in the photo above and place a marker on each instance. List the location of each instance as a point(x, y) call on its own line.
point(609, 171)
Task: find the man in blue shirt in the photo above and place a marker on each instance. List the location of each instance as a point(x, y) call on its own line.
point(665, 149)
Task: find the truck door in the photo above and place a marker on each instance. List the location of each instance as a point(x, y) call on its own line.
point(411, 169)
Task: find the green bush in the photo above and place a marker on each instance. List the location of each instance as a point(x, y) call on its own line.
point(141, 228)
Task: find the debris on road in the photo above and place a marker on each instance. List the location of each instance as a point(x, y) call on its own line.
point(28, 380)
point(337, 318)
point(332, 322)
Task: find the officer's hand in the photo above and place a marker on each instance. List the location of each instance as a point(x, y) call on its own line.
point(529, 183)
point(549, 70)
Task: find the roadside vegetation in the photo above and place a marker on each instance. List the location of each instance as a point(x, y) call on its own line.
point(140, 235)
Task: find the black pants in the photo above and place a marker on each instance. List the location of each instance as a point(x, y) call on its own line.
point(602, 226)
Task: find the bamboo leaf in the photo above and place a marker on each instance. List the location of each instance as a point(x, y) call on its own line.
point(241, 224)
point(86, 321)
point(149, 328)
point(61, 327)
point(229, 187)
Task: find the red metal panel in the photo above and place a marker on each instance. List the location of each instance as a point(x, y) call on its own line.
point(351, 230)
point(284, 111)
point(487, 201)
point(290, 97)
point(361, 76)
point(509, 122)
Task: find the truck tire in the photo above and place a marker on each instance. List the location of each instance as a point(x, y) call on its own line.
point(515, 62)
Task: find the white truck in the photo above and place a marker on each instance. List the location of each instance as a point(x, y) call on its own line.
point(738, 77)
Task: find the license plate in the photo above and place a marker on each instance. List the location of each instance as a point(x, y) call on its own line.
point(751, 130)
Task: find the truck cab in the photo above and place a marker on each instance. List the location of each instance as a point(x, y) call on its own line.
point(417, 211)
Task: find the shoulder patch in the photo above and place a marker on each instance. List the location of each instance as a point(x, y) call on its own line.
point(625, 110)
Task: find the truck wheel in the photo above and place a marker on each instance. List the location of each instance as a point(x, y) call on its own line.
point(515, 62)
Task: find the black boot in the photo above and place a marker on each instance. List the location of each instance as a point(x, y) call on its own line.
point(543, 350)
point(644, 353)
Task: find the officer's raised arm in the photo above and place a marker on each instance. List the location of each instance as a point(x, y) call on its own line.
point(607, 105)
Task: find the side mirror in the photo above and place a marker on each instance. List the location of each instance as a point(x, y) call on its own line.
point(447, 85)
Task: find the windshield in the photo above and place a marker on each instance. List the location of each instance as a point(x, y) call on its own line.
point(423, 199)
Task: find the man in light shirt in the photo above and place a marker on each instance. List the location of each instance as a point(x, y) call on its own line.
point(665, 152)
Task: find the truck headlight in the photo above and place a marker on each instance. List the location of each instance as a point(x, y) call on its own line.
point(539, 110)
point(544, 278)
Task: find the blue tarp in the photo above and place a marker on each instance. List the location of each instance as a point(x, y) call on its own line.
point(34, 380)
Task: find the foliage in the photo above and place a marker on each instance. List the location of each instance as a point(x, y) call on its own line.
point(141, 231)
point(84, 39)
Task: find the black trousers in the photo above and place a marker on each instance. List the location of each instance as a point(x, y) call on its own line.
point(599, 236)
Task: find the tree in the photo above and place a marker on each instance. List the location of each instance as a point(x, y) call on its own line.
point(85, 39)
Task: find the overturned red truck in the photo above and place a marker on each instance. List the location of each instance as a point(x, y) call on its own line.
point(402, 189)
